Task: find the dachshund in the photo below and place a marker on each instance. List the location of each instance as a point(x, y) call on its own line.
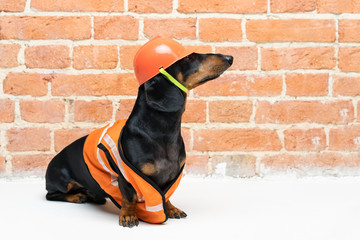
point(150, 141)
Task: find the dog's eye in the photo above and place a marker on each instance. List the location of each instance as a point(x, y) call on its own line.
point(190, 58)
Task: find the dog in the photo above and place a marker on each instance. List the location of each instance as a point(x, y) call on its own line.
point(150, 144)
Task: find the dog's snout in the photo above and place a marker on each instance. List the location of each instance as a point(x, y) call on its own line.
point(229, 59)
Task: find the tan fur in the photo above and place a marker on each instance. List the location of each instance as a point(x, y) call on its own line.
point(75, 198)
point(128, 216)
point(173, 211)
point(213, 65)
point(73, 186)
point(180, 78)
point(148, 169)
point(182, 162)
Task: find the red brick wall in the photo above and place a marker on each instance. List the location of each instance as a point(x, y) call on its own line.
point(290, 103)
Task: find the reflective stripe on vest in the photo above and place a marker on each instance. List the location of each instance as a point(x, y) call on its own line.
point(114, 178)
point(105, 160)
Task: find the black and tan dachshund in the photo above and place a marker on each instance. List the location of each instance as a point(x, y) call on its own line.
point(151, 140)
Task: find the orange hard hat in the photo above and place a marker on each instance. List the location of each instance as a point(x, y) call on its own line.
point(156, 53)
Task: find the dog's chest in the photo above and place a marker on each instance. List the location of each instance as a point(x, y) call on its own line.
point(167, 161)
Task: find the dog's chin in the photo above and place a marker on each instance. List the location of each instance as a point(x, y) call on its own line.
point(217, 69)
point(209, 78)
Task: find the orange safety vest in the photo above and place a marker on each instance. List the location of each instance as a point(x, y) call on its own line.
point(105, 160)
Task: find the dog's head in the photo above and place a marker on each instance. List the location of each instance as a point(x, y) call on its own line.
point(191, 71)
point(196, 69)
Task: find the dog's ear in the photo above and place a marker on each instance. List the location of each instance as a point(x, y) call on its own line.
point(163, 95)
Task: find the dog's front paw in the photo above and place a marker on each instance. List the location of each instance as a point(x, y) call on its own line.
point(128, 221)
point(174, 212)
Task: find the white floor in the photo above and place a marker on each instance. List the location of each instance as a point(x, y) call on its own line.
point(276, 208)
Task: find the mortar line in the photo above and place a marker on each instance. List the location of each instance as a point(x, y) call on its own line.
point(175, 14)
point(126, 6)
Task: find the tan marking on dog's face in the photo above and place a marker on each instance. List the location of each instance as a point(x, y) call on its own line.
point(211, 66)
point(180, 78)
point(148, 169)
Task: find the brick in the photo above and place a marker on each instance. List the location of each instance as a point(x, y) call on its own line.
point(8, 55)
point(358, 112)
point(234, 165)
point(348, 59)
point(226, 29)
point(338, 6)
point(34, 163)
point(346, 86)
point(242, 85)
point(125, 108)
point(12, 5)
point(345, 138)
point(64, 137)
point(28, 139)
point(127, 54)
point(52, 56)
point(7, 111)
point(95, 57)
point(348, 29)
point(325, 112)
point(292, 6)
point(186, 135)
point(116, 27)
point(291, 30)
point(245, 58)
point(44, 27)
point(185, 27)
point(2, 164)
point(299, 84)
point(32, 84)
point(240, 111)
point(51, 111)
point(236, 139)
point(298, 58)
point(202, 49)
point(195, 111)
point(144, 6)
point(197, 164)
point(79, 5)
point(94, 84)
point(326, 163)
point(305, 139)
point(223, 6)
point(93, 111)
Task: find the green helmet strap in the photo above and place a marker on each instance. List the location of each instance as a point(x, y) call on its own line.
point(173, 80)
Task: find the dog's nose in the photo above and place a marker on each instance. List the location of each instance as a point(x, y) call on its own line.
point(229, 59)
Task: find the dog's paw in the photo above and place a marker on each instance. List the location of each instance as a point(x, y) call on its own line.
point(176, 213)
point(76, 198)
point(128, 221)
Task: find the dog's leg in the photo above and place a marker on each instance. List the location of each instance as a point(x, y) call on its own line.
point(128, 217)
point(76, 194)
point(61, 182)
point(174, 212)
